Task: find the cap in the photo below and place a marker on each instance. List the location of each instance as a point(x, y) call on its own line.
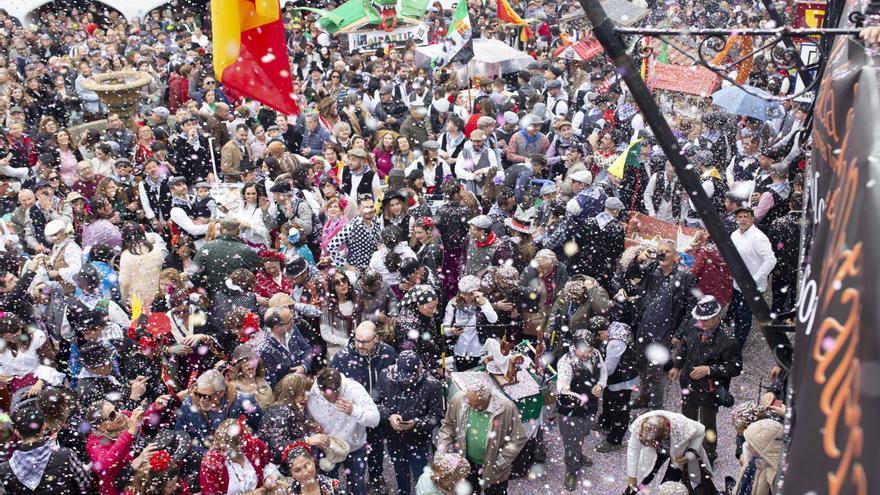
point(16, 109)
point(478, 135)
point(202, 185)
point(441, 105)
point(417, 104)
point(511, 118)
point(41, 184)
point(481, 222)
point(744, 208)
point(54, 227)
point(548, 188)
point(614, 203)
point(174, 180)
point(707, 308)
point(162, 112)
point(582, 176)
point(431, 145)
point(73, 196)
point(386, 90)
point(409, 367)
point(554, 84)
point(418, 82)
point(359, 153)
point(779, 170)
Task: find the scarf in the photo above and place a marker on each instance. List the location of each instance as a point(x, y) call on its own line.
point(490, 239)
point(530, 140)
point(603, 219)
point(29, 466)
point(781, 188)
point(748, 477)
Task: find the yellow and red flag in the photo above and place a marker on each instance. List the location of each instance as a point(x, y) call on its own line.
point(507, 14)
point(250, 52)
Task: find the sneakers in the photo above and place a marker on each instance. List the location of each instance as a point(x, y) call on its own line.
point(606, 447)
point(571, 481)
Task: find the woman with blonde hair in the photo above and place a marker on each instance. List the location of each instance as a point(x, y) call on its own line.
point(248, 374)
point(386, 148)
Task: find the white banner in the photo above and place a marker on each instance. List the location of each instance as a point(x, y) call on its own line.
point(369, 40)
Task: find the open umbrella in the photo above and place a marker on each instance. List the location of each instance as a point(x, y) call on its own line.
point(583, 50)
point(755, 103)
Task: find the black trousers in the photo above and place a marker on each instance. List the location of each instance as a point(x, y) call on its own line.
point(375, 454)
point(672, 473)
point(784, 288)
point(615, 414)
point(474, 479)
point(702, 408)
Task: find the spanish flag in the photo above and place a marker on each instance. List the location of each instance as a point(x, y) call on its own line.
point(250, 52)
point(507, 14)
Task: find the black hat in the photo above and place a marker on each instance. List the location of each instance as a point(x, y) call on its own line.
point(296, 266)
point(409, 266)
point(95, 355)
point(706, 309)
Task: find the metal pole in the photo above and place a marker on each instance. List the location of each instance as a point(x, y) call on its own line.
point(777, 19)
point(604, 31)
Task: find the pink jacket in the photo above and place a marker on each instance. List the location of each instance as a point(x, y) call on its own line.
point(108, 458)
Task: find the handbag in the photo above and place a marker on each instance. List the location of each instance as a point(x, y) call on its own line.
point(723, 396)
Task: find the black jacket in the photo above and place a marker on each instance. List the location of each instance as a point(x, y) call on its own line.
point(282, 425)
point(63, 473)
point(720, 353)
point(666, 303)
point(18, 301)
point(422, 402)
point(598, 250)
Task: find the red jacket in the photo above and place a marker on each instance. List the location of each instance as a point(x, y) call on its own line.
point(178, 92)
point(108, 458)
point(213, 476)
point(712, 275)
point(266, 286)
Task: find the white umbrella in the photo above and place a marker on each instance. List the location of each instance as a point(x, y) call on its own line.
point(491, 58)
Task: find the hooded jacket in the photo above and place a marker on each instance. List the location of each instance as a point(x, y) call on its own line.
point(765, 437)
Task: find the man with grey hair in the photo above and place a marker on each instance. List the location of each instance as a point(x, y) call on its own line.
point(487, 429)
point(223, 255)
point(212, 400)
point(314, 137)
point(665, 305)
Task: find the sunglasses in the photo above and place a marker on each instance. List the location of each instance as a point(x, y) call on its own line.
point(53, 178)
point(210, 82)
point(208, 396)
point(110, 417)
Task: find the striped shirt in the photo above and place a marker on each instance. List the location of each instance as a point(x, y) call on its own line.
point(361, 241)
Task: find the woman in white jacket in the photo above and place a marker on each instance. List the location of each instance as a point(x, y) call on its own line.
point(461, 321)
point(390, 255)
point(140, 263)
point(661, 435)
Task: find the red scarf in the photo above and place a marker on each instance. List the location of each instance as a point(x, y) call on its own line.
point(490, 239)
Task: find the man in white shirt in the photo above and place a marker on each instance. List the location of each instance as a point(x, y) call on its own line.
point(757, 253)
point(344, 410)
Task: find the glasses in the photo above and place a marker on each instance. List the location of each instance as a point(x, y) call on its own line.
point(111, 416)
point(53, 178)
point(364, 342)
point(334, 76)
point(214, 396)
point(209, 83)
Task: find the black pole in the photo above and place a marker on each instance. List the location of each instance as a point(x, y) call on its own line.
point(777, 19)
point(603, 30)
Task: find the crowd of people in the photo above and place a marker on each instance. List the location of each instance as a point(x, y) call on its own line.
point(212, 297)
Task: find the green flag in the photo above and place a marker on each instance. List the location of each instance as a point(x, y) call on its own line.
point(458, 46)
